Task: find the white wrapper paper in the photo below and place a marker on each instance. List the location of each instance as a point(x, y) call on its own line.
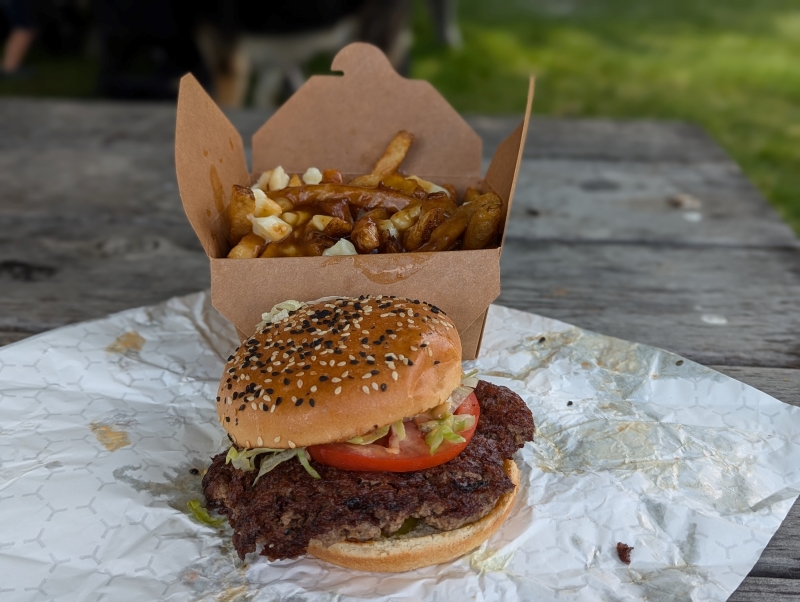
point(101, 424)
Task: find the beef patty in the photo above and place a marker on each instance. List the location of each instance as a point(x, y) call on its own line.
point(287, 507)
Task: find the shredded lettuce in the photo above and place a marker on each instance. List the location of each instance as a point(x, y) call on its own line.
point(398, 431)
point(371, 437)
point(202, 515)
point(446, 429)
point(267, 464)
point(302, 455)
point(245, 459)
point(470, 379)
point(458, 396)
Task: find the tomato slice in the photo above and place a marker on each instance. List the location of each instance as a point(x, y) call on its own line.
point(414, 453)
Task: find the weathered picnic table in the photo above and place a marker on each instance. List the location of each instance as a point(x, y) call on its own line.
point(645, 230)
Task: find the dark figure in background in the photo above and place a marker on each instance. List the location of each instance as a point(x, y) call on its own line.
point(145, 46)
point(241, 48)
point(22, 25)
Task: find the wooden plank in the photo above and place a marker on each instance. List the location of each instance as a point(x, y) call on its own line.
point(629, 201)
point(49, 123)
point(84, 272)
point(39, 123)
point(716, 305)
point(603, 139)
point(781, 383)
point(781, 558)
point(765, 589)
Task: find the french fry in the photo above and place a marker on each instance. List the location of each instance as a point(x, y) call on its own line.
point(370, 180)
point(484, 221)
point(361, 198)
point(447, 234)
point(440, 200)
point(420, 232)
point(337, 208)
point(243, 203)
point(249, 247)
point(471, 195)
point(332, 176)
point(389, 237)
point(316, 243)
point(390, 243)
point(452, 192)
point(284, 203)
point(394, 154)
point(365, 235)
point(405, 185)
point(295, 180)
point(338, 228)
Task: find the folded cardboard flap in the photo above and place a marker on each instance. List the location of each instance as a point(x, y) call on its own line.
point(347, 121)
point(343, 122)
point(209, 159)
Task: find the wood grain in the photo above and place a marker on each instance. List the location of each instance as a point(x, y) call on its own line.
point(715, 305)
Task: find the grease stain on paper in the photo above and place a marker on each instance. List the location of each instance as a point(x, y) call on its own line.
point(109, 437)
point(129, 341)
point(217, 189)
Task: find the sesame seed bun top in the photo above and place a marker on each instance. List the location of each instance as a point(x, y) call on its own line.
point(337, 368)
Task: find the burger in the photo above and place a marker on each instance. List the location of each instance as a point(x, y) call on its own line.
point(356, 438)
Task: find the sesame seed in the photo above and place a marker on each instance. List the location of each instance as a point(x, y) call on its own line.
point(272, 409)
point(260, 441)
point(413, 348)
point(299, 384)
point(341, 363)
point(291, 444)
point(345, 373)
point(276, 439)
point(391, 365)
point(365, 388)
point(254, 406)
point(375, 386)
point(394, 375)
point(367, 375)
point(337, 390)
point(336, 380)
point(314, 388)
point(383, 386)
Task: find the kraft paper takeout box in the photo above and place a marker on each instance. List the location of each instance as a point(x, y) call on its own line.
point(344, 122)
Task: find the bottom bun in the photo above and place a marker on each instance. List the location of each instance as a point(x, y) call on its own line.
point(398, 555)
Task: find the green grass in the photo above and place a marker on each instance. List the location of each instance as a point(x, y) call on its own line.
point(731, 66)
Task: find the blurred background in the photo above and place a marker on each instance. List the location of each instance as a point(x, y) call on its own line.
point(733, 66)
